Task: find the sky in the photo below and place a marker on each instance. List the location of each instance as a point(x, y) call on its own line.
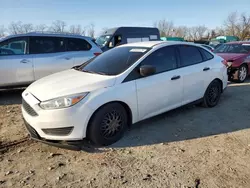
point(113, 13)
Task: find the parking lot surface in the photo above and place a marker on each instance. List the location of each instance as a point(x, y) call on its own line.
point(187, 147)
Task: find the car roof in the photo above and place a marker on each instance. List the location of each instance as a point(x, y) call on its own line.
point(47, 34)
point(238, 42)
point(151, 44)
point(111, 31)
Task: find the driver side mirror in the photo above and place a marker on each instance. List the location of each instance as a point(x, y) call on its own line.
point(147, 70)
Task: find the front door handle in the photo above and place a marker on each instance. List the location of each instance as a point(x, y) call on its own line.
point(67, 58)
point(24, 61)
point(206, 69)
point(176, 77)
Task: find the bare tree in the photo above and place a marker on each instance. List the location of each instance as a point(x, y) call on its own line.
point(192, 33)
point(200, 31)
point(219, 31)
point(91, 30)
point(15, 28)
point(181, 31)
point(165, 27)
point(58, 26)
point(213, 33)
point(25, 28)
point(237, 25)
point(77, 29)
point(197, 32)
point(231, 24)
point(2, 31)
point(41, 27)
point(19, 28)
point(243, 27)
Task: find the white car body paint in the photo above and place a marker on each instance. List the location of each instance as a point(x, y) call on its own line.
point(145, 97)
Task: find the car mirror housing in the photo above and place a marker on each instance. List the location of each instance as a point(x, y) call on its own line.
point(147, 70)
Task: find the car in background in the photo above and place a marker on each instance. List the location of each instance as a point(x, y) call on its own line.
point(208, 47)
point(100, 99)
point(237, 55)
point(222, 39)
point(28, 57)
point(217, 45)
point(123, 35)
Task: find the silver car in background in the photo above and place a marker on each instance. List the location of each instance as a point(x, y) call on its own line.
point(28, 57)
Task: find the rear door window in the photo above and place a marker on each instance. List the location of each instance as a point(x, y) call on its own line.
point(43, 45)
point(75, 44)
point(189, 55)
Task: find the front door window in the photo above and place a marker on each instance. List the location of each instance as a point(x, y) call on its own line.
point(16, 46)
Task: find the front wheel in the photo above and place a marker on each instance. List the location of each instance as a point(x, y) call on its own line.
point(108, 124)
point(212, 94)
point(242, 73)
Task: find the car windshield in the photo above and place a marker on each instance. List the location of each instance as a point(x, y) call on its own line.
point(233, 48)
point(114, 61)
point(102, 40)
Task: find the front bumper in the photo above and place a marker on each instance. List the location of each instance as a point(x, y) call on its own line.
point(66, 124)
point(75, 145)
point(232, 73)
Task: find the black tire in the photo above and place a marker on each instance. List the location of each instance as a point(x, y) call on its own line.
point(108, 124)
point(242, 78)
point(212, 94)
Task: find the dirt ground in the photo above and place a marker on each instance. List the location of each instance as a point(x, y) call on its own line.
point(188, 147)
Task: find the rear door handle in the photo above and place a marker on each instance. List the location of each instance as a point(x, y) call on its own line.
point(175, 77)
point(206, 69)
point(24, 61)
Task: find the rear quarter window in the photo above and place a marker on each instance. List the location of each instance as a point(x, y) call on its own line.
point(189, 55)
point(206, 55)
point(75, 44)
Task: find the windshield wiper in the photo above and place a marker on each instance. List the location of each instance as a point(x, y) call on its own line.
point(93, 72)
point(102, 73)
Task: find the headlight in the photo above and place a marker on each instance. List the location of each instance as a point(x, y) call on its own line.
point(62, 102)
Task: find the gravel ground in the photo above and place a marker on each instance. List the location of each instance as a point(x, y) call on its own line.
point(188, 147)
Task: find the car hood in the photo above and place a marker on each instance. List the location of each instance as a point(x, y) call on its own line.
point(230, 56)
point(67, 83)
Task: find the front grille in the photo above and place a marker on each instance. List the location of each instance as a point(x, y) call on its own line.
point(28, 108)
point(58, 131)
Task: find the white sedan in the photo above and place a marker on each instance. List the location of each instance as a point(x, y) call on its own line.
point(101, 98)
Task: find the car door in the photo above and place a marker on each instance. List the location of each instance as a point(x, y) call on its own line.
point(195, 72)
point(80, 49)
point(16, 65)
point(163, 90)
point(49, 55)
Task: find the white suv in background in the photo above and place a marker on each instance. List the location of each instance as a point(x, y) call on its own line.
point(101, 98)
point(28, 57)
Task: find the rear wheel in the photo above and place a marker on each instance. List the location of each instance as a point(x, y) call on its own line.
point(242, 73)
point(108, 124)
point(212, 94)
